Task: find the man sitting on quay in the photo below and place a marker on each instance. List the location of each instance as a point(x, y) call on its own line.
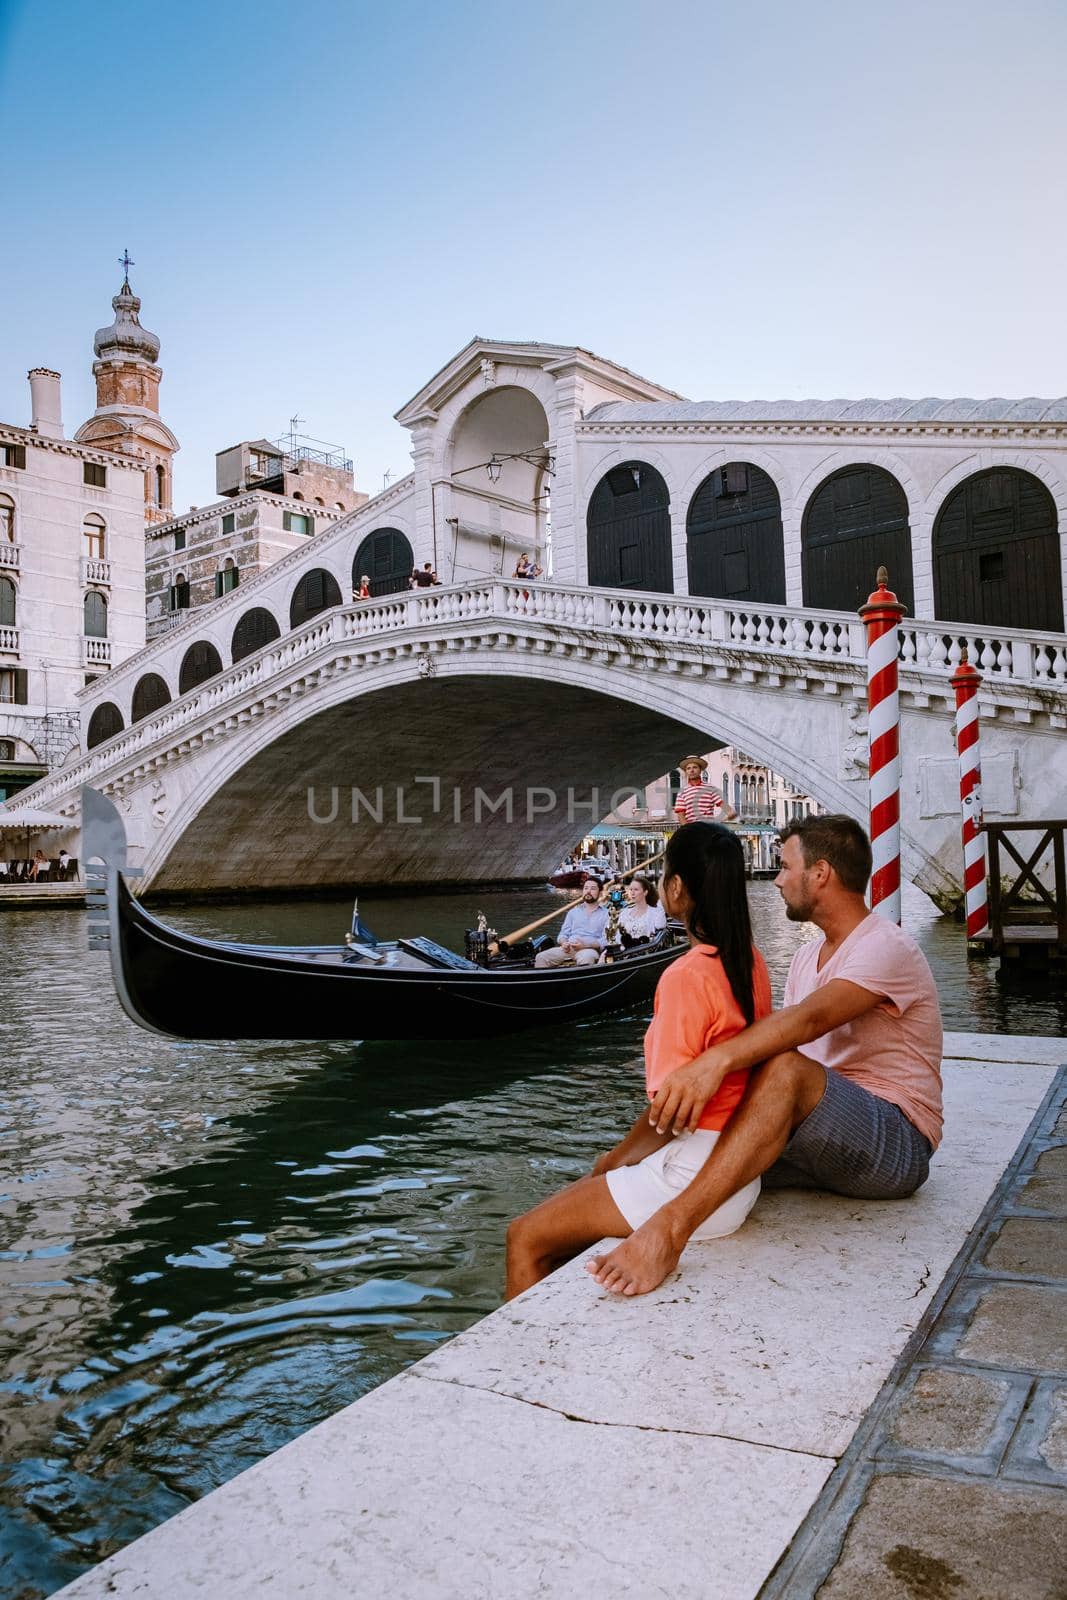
point(583, 934)
point(848, 1096)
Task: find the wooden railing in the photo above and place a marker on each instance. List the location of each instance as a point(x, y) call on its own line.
point(1031, 909)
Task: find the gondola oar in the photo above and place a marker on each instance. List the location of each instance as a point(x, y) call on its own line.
point(521, 933)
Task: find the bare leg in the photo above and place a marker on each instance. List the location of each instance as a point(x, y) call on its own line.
point(558, 1229)
point(780, 1094)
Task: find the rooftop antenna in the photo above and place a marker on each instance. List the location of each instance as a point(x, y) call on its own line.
point(125, 262)
point(294, 423)
point(386, 478)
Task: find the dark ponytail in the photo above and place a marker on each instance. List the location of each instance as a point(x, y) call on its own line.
point(710, 861)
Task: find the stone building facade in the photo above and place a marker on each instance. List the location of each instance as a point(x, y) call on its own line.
point(71, 580)
point(195, 559)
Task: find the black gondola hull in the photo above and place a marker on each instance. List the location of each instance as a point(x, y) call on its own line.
point(196, 989)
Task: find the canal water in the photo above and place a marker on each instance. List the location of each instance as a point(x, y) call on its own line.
point(208, 1248)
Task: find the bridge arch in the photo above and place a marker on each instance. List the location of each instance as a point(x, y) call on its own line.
point(997, 553)
point(199, 663)
point(254, 629)
point(317, 591)
point(628, 530)
point(149, 696)
point(856, 521)
point(385, 556)
point(105, 722)
point(735, 542)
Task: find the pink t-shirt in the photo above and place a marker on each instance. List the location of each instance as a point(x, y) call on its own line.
point(894, 1051)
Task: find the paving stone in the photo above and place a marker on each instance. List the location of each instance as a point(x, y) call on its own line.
point(1018, 1325)
point(953, 1413)
point(1047, 1189)
point(1034, 1245)
point(922, 1538)
point(1053, 1447)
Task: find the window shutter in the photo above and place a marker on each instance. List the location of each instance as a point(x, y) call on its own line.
point(21, 687)
point(219, 580)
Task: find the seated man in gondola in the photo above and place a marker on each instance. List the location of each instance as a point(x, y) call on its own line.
point(583, 935)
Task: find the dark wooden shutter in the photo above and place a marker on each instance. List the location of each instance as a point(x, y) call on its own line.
point(854, 523)
point(734, 541)
point(628, 527)
point(21, 687)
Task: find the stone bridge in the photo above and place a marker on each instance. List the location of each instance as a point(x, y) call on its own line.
point(473, 732)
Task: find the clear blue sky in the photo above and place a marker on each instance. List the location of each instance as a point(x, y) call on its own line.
point(326, 200)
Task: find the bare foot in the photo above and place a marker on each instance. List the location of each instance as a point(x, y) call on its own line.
point(639, 1263)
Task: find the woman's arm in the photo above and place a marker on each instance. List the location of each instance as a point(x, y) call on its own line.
point(641, 1141)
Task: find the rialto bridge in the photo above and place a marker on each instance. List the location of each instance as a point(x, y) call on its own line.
point(703, 564)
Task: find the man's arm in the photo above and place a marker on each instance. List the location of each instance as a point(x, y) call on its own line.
point(683, 1094)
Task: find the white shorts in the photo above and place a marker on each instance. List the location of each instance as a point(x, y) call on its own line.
point(641, 1190)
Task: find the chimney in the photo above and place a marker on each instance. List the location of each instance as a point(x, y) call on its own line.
point(47, 417)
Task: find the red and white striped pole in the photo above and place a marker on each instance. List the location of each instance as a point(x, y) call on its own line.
point(882, 615)
point(965, 681)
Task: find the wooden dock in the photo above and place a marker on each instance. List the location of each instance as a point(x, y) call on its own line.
point(1027, 915)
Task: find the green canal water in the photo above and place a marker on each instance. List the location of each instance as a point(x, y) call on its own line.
point(207, 1248)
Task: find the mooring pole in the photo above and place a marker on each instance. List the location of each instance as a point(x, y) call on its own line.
point(882, 615)
point(965, 681)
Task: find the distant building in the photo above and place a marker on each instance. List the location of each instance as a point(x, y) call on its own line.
point(196, 558)
point(71, 579)
point(320, 474)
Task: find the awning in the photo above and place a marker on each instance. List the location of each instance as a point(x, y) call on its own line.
point(611, 830)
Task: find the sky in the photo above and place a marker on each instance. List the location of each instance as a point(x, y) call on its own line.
point(324, 202)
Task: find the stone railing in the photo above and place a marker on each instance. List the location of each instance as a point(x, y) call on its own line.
point(592, 618)
point(9, 641)
point(96, 652)
point(95, 570)
point(10, 554)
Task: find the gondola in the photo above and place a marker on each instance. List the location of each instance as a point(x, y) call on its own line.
point(173, 983)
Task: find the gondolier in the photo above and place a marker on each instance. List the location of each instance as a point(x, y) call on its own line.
point(699, 801)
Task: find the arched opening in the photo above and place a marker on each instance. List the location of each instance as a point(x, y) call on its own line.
point(227, 578)
point(150, 695)
point(500, 471)
point(255, 629)
point(854, 523)
point(297, 495)
point(8, 601)
point(161, 487)
point(200, 662)
point(734, 541)
point(95, 614)
point(317, 591)
point(105, 722)
point(629, 530)
point(997, 553)
point(94, 539)
point(387, 559)
point(178, 594)
point(7, 519)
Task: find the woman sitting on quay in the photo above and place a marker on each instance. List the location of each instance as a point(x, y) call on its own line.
point(716, 990)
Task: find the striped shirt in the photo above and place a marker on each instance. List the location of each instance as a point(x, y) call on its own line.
point(699, 802)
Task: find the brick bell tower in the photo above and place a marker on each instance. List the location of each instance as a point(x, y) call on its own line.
point(127, 417)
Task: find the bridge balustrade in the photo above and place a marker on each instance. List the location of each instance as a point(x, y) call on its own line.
point(1008, 659)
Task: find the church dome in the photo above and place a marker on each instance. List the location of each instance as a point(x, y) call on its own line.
point(125, 339)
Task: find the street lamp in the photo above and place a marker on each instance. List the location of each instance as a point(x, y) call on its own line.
point(493, 467)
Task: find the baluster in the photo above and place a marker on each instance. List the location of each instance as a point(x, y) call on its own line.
point(763, 631)
point(1042, 663)
point(750, 628)
point(1059, 664)
point(907, 648)
point(989, 656)
point(955, 652)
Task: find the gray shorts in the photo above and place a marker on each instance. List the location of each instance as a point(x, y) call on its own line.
point(853, 1143)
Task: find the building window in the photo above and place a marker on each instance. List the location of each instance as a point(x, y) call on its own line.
point(13, 686)
point(296, 522)
point(161, 487)
point(179, 539)
point(7, 603)
point(178, 594)
point(7, 749)
point(227, 580)
point(229, 522)
point(94, 475)
point(95, 611)
point(93, 538)
point(14, 455)
point(7, 520)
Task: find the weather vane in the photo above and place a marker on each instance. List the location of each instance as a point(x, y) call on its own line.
point(125, 263)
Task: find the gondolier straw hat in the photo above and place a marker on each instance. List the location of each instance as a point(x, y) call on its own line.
point(690, 761)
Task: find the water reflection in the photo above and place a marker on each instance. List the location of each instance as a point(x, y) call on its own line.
point(207, 1248)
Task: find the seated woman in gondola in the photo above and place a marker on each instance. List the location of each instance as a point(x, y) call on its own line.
point(642, 917)
point(717, 989)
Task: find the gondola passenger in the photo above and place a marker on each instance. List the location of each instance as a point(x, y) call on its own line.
point(716, 990)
